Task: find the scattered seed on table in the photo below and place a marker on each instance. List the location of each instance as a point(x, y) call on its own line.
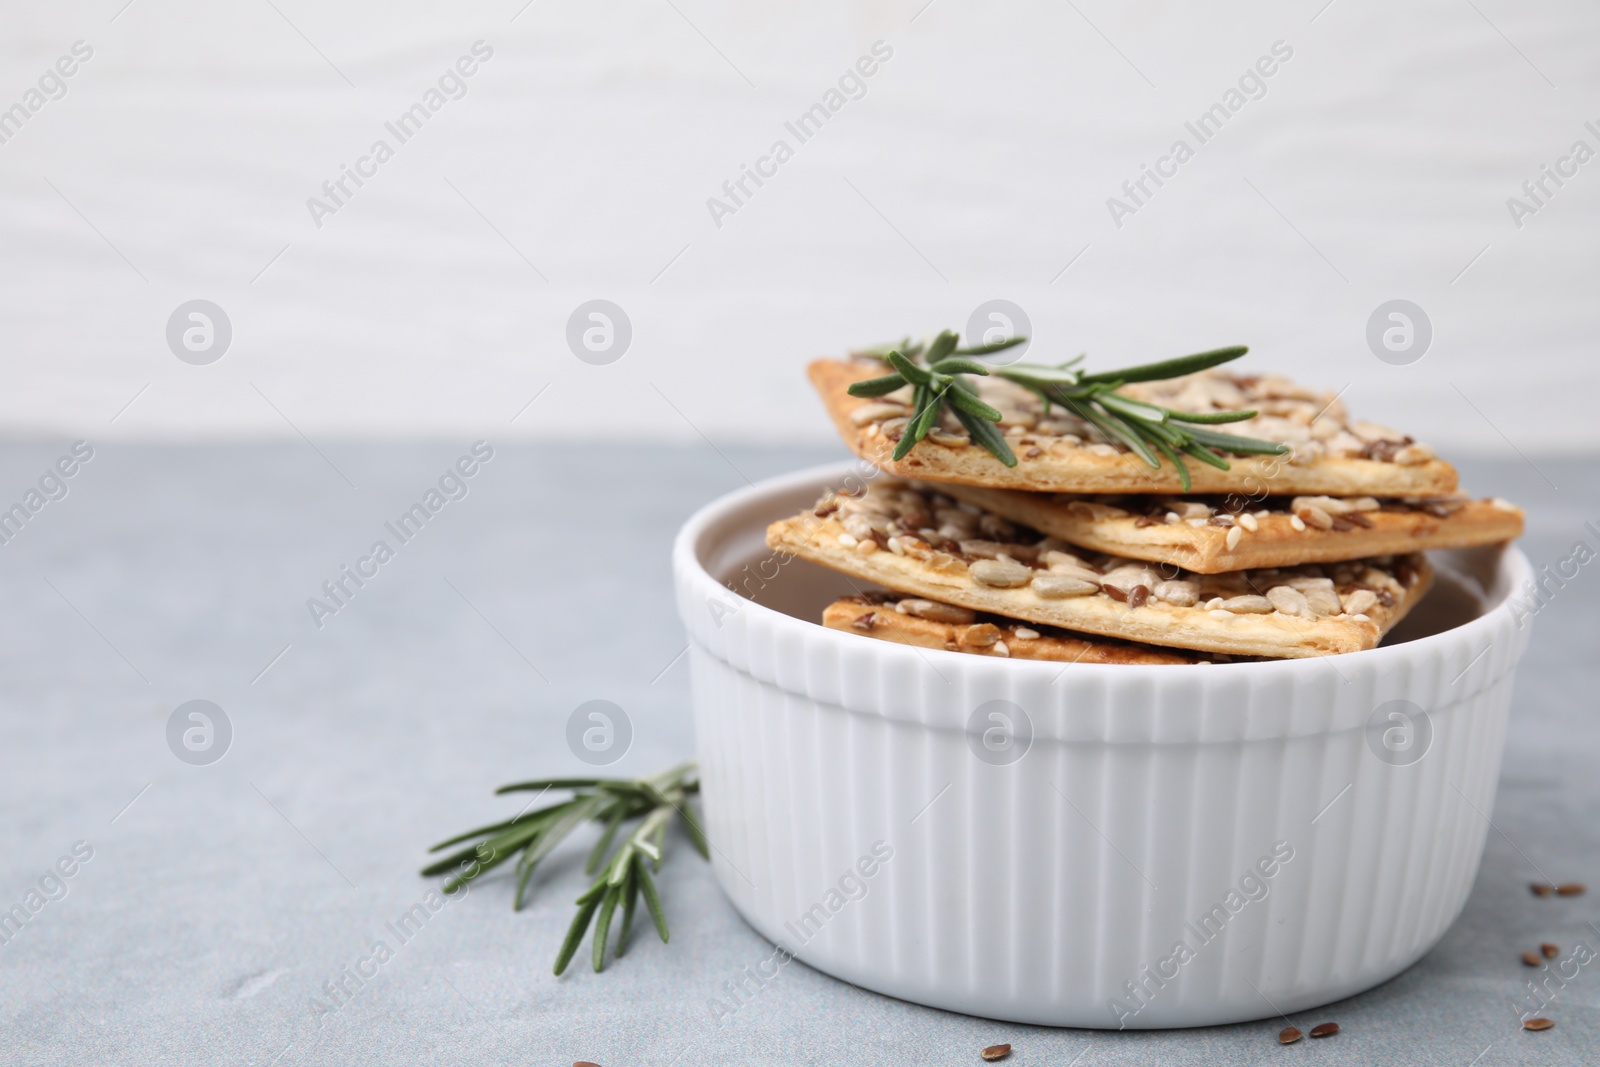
point(996, 1052)
point(1571, 889)
point(1531, 958)
point(1289, 1035)
point(1324, 1029)
point(1542, 889)
point(1539, 1023)
point(1550, 951)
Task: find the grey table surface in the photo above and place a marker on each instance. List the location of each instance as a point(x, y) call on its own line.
point(220, 898)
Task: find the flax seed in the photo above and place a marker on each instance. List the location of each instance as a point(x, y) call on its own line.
point(1549, 951)
point(1324, 1029)
point(1531, 958)
point(996, 1052)
point(1537, 1023)
point(1571, 889)
point(1289, 1035)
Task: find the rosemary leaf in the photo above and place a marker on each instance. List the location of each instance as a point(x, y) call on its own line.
point(1037, 373)
point(910, 371)
point(630, 897)
point(1182, 468)
point(1244, 446)
point(602, 926)
point(1113, 427)
point(525, 872)
point(921, 401)
point(1211, 417)
point(942, 346)
point(989, 436)
point(969, 402)
point(1169, 368)
point(691, 826)
point(652, 899)
point(558, 830)
point(548, 783)
point(988, 349)
point(877, 386)
point(575, 932)
point(1205, 455)
point(956, 365)
point(1130, 409)
point(602, 846)
point(500, 827)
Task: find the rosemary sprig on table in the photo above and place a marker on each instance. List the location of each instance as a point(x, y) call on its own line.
point(623, 876)
point(936, 373)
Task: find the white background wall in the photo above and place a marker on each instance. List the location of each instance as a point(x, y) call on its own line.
point(978, 165)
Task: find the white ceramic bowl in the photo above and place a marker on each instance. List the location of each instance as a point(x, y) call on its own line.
point(1174, 846)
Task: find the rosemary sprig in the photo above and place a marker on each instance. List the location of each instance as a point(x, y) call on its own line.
point(624, 876)
point(936, 372)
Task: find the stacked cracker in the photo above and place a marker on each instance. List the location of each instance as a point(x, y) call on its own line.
point(1083, 552)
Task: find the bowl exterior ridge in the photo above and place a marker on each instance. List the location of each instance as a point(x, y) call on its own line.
point(1158, 845)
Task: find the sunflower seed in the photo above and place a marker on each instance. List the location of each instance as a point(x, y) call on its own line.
point(949, 440)
point(875, 413)
point(1001, 573)
point(937, 612)
point(1248, 605)
point(983, 635)
point(1312, 515)
point(1290, 601)
point(1060, 586)
point(1180, 593)
point(1359, 602)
